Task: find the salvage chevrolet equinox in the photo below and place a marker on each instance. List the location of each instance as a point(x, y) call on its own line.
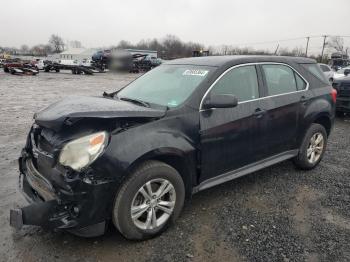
point(132, 157)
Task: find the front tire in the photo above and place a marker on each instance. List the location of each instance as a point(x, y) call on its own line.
point(312, 148)
point(148, 201)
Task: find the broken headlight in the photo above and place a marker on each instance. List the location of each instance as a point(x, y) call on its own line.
point(81, 152)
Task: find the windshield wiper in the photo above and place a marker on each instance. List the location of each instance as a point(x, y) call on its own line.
point(135, 101)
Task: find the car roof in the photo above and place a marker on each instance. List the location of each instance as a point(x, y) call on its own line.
point(219, 61)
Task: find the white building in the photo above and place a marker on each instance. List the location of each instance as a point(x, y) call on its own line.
point(78, 54)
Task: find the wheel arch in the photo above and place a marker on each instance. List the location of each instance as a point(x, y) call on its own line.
point(185, 164)
point(325, 121)
point(324, 118)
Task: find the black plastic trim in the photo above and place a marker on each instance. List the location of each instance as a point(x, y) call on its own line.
point(245, 170)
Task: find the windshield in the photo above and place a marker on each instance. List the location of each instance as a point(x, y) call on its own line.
point(166, 85)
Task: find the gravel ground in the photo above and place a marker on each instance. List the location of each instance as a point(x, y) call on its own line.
point(277, 214)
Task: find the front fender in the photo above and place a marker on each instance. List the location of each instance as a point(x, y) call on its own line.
point(150, 141)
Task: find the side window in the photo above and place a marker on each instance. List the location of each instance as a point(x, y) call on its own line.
point(241, 82)
point(279, 79)
point(301, 84)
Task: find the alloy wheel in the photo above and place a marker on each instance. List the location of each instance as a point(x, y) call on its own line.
point(153, 204)
point(315, 148)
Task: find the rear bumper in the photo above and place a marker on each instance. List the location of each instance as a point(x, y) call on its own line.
point(83, 210)
point(343, 104)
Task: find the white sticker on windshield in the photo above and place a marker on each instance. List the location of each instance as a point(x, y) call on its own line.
point(172, 103)
point(195, 72)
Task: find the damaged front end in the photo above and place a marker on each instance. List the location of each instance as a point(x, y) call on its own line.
point(61, 198)
point(65, 171)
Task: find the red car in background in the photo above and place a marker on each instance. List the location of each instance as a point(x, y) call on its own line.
point(19, 67)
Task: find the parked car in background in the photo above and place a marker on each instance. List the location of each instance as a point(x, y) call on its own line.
point(132, 157)
point(2, 62)
point(25, 70)
point(327, 71)
point(39, 64)
point(154, 61)
point(68, 62)
point(342, 85)
point(10, 63)
point(101, 59)
point(86, 62)
point(19, 67)
point(344, 72)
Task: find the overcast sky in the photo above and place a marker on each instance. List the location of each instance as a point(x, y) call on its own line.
point(234, 22)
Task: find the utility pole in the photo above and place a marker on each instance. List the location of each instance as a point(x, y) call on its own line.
point(324, 44)
point(307, 45)
point(277, 49)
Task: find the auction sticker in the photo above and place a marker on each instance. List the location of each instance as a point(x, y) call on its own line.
point(195, 72)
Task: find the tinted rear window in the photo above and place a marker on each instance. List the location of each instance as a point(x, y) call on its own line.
point(316, 71)
point(325, 68)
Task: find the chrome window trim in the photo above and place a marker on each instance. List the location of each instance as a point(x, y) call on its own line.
point(260, 98)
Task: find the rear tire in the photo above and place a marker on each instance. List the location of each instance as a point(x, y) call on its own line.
point(312, 148)
point(141, 209)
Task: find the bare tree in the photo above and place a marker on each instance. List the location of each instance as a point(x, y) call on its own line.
point(336, 43)
point(48, 49)
point(57, 43)
point(296, 51)
point(24, 49)
point(124, 45)
point(225, 49)
point(173, 46)
point(41, 50)
point(75, 44)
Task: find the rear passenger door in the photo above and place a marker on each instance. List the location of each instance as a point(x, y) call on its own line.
point(284, 90)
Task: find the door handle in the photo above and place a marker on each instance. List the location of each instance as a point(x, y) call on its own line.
point(258, 113)
point(304, 99)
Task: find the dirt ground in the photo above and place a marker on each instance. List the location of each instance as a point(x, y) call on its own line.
point(277, 214)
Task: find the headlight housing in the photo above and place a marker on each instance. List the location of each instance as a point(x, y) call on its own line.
point(81, 152)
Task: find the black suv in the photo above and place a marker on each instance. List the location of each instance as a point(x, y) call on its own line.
point(132, 157)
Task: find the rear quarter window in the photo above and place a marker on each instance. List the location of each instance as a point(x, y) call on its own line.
point(316, 71)
point(325, 68)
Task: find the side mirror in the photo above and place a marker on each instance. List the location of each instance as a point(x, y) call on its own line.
point(220, 101)
point(346, 72)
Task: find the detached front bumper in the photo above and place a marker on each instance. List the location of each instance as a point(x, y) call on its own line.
point(81, 208)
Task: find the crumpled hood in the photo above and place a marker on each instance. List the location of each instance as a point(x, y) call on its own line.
point(54, 115)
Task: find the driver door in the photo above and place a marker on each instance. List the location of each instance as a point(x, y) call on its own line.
point(229, 135)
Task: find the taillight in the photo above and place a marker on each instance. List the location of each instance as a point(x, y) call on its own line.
point(334, 95)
